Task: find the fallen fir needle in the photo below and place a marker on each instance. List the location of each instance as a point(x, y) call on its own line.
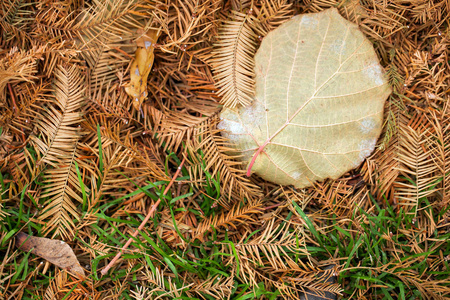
point(149, 215)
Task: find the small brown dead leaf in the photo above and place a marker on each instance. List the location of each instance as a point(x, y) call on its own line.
point(55, 251)
point(141, 67)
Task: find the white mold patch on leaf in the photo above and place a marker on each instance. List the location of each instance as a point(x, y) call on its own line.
point(231, 126)
point(296, 175)
point(309, 22)
point(136, 71)
point(336, 46)
point(374, 73)
point(147, 44)
point(366, 147)
point(253, 114)
point(367, 125)
point(232, 137)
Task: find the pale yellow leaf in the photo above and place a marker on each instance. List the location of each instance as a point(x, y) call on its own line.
point(318, 109)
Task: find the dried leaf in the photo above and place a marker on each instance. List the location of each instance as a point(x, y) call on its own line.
point(55, 251)
point(141, 67)
point(318, 112)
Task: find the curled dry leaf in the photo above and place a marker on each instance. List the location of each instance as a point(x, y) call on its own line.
point(318, 109)
point(141, 67)
point(55, 251)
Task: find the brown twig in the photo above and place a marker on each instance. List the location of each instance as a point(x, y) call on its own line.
point(149, 215)
point(272, 206)
point(13, 101)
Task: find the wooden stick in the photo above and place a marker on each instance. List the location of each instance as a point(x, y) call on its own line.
point(149, 215)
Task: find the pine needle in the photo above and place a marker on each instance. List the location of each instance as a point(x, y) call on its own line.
point(233, 62)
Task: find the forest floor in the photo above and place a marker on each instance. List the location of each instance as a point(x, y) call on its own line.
point(89, 148)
